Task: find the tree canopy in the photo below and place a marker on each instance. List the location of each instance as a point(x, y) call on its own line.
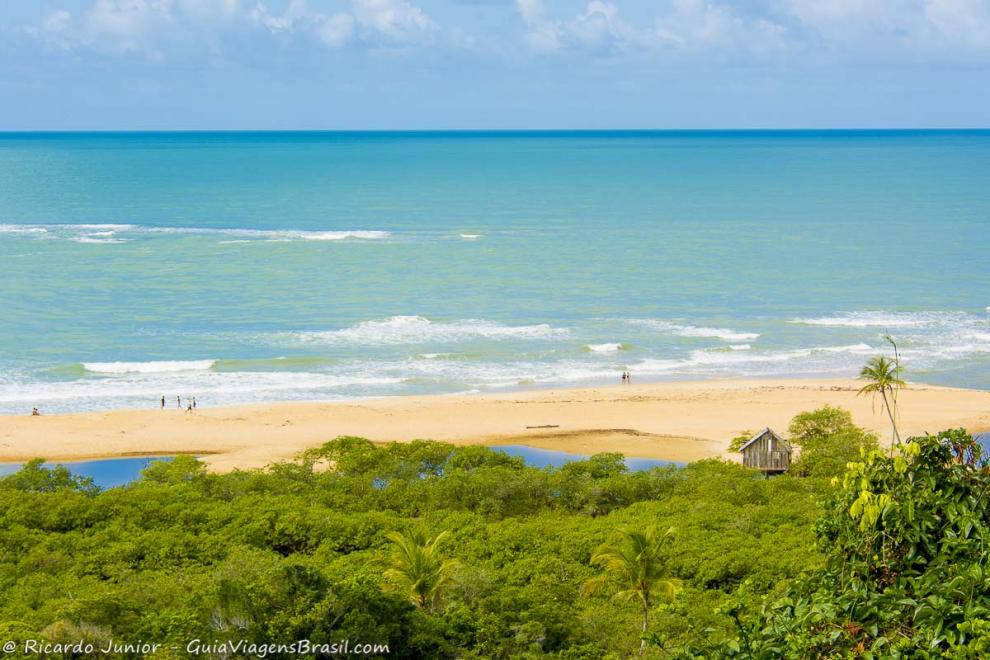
point(443, 551)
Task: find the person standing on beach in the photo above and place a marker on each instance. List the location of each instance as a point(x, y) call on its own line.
point(178, 402)
point(163, 402)
point(194, 403)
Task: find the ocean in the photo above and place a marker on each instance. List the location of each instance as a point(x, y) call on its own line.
point(247, 267)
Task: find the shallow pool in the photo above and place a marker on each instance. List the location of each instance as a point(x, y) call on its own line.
point(106, 473)
point(550, 457)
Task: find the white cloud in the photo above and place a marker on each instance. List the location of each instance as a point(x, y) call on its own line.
point(296, 11)
point(56, 29)
point(701, 25)
point(390, 20)
point(850, 29)
point(397, 20)
point(128, 25)
point(211, 10)
point(150, 26)
point(542, 34)
point(335, 31)
point(116, 26)
point(963, 22)
point(598, 27)
point(918, 27)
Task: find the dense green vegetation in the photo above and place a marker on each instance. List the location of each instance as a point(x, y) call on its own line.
point(441, 551)
point(906, 571)
point(303, 552)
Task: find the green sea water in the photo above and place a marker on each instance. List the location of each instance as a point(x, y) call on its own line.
point(240, 267)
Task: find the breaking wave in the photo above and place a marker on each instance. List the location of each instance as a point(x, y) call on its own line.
point(683, 330)
point(421, 330)
point(119, 233)
point(156, 367)
point(881, 319)
point(611, 347)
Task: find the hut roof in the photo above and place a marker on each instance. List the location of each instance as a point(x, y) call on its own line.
point(759, 435)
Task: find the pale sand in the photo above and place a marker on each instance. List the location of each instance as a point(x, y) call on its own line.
point(681, 421)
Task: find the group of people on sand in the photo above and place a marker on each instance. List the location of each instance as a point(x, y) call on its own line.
point(625, 377)
point(190, 403)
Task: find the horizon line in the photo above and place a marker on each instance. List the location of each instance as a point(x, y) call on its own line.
point(865, 129)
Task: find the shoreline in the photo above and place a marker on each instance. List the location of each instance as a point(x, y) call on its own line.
point(676, 421)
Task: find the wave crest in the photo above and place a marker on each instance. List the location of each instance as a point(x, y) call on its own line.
point(85, 233)
point(611, 347)
point(421, 330)
point(154, 367)
point(683, 330)
point(882, 319)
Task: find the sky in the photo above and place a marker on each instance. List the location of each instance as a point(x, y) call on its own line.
point(493, 64)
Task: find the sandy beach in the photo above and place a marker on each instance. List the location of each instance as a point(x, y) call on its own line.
point(680, 421)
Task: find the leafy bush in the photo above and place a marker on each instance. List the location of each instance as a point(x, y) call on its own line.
point(829, 441)
point(906, 569)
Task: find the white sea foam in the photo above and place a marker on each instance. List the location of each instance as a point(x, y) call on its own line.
point(156, 367)
point(682, 330)
point(882, 319)
point(95, 240)
point(100, 226)
point(275, 235)
point(605, 348)
point(211, 388)
point(420, 330)
point(22, 229)
point(470, 237)
point(79, 232)
point(819, 359)
point(926, 339)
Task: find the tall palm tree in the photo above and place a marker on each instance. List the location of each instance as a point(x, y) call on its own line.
point(883, 377)
point(636, 565)
point(418, 568)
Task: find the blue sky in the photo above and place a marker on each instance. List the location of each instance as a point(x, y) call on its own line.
point(351, 64)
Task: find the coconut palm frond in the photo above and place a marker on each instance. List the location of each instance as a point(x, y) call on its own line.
point(418, 569)
point(636, 566)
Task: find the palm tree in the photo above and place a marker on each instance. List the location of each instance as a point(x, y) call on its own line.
point(884, 378)
point(636, 565)
point(418, 569)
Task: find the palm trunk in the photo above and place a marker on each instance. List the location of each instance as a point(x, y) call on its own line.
point(890, 413)
point(646, 625)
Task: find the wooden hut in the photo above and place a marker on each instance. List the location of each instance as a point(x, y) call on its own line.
point(768, 452)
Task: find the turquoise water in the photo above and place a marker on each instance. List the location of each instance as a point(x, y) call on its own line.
point(295, 266)
point(108, 473)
